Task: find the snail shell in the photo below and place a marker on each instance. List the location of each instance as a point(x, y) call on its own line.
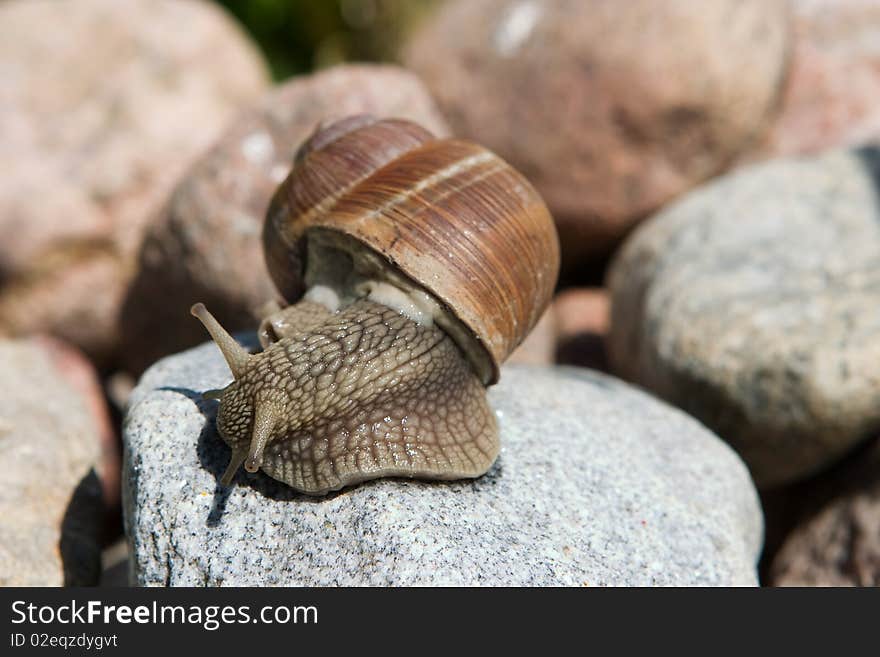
point(441, 215)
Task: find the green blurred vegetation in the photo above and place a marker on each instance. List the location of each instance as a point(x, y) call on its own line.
point(301, 35)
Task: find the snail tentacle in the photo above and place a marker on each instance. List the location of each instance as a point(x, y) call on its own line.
point(234, 353)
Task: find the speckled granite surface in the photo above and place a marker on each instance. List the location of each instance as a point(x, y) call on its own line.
point(597, 484)
point(752, 304)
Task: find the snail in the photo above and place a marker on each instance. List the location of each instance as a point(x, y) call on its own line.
point(416, 265)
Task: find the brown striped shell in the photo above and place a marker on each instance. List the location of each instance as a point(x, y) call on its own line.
point(446, 216)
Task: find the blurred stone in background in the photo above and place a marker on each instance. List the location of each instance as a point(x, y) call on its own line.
point(571, 332)
point(71, 365)
point(832, 524)
point(752, 304)
point(832, 93)
point(539, 347)
point(611, 109)
point(207, 246)
point(582, 318)
point(52, 433)
point(102, 105)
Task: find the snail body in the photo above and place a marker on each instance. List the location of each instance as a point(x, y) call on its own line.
point(415, 266)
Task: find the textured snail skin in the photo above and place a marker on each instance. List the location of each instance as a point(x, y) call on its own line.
point(361, 393)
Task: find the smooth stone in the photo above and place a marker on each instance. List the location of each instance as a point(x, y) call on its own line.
point(835, 537)
point(597, 484)
point(104, 106)
point(752, 304)
point(611, 109)
point(79, 373)
point(831, 97)
point(50, 448)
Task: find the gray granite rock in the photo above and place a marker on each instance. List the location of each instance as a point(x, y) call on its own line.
point(752, 304)
point(597, 483)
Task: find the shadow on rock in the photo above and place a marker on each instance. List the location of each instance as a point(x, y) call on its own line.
point(214, 456)
point(583, 350)
point(79, 545)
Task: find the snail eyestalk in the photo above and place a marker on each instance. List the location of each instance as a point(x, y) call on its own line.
point(264, 422)
point(233, 352)
point(238, 457)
